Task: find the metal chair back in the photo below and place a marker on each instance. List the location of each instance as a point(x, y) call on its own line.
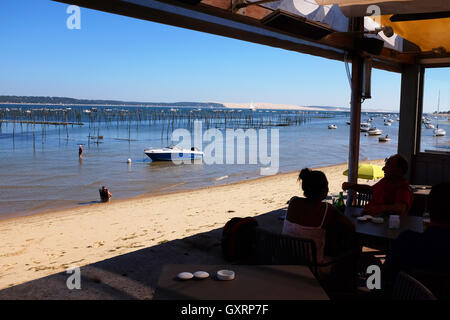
point(273, 248)
point(409, 288)
point(361, 199)
point(437, 282)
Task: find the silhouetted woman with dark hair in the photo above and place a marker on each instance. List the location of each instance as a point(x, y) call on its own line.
point(104, 194)
point(312, 218)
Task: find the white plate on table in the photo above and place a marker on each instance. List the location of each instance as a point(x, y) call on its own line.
point(185, 275)
point(377, 220)
point(201, 274)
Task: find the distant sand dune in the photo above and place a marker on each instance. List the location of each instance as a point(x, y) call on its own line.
point(264, 105)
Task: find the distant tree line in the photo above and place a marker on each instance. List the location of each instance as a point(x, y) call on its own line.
point(64, 100)
point(442, 112)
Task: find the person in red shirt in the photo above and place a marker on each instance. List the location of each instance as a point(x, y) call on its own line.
point(392, 193)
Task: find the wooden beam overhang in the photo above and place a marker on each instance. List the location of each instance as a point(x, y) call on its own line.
point(429, 61)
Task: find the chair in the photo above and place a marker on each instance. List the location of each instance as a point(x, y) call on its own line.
point(361, 199)
point(337, 277)
point(437, 282)
point(273, 248)
point(409, 288)
point(276, 248)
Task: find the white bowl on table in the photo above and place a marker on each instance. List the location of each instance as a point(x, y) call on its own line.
point(225, 274)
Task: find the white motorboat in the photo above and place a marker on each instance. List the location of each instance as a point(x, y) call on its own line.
point(387, 123)
point(173, 153)
point(429, 126)
point(374, 132)
point(364, 127)
point(332, 126)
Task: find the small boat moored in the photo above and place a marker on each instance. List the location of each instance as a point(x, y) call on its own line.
point(384, 139)
point(439, 132)
point(332, 126)
point(374, 132)
point(173, 153)
point(364, 127)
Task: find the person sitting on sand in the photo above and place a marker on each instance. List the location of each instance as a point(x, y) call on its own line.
point(104, 194)
point(312, 218)
point(427, 251)
point(392, 193)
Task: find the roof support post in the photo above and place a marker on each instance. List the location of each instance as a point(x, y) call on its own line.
point(411, 100)
point(355, 112)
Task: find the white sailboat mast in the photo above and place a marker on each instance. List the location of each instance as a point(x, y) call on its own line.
point(439, 100)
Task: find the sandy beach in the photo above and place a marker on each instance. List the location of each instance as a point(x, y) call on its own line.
point(40, 245)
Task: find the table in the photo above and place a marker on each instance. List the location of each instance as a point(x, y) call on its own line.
point(252, 282)
point(381, 230)
point(378, 235)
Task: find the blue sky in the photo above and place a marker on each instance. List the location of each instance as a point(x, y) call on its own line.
point(115, 57)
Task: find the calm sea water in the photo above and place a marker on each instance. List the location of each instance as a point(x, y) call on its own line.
point(40, 169)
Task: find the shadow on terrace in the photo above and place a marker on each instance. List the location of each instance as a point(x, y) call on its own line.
point(134, 275)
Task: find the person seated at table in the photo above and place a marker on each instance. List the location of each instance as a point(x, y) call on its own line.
point(392, 193)
point(311, 217)
point(427, 251)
